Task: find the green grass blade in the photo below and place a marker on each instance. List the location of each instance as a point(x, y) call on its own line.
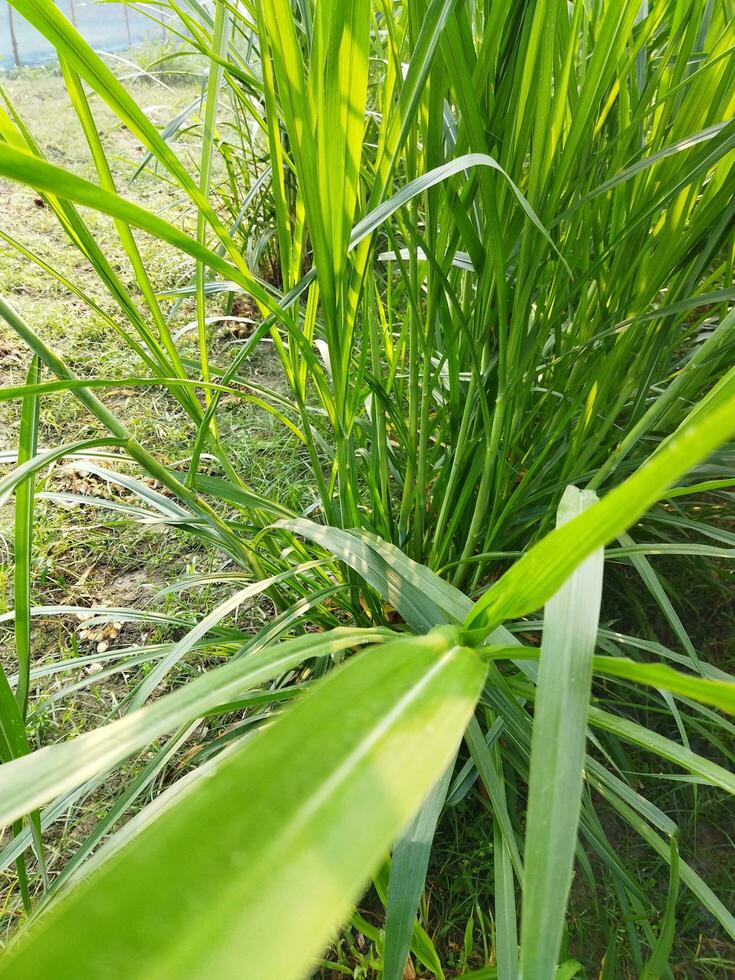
point(407, 877)
point(398, 584)
point(659, 961)
point(489, 767)
point(24, 498)
point(533, 579)
point(557, 752)
point(25, 168)
point(19, 476)
point(299, 816)
point(214, 82)
point(665, 748)
point(12, 715)
point(70, 44)
point(182, 647)
point(688, 875)
point(654, 585)
point(714, 692)
point(35, 779)
point(506, 917)
point(14, 745)
point(13, 742)
point(438, 175)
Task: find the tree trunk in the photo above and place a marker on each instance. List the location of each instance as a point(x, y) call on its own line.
point(13, 38)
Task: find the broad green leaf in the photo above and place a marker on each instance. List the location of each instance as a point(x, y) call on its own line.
point(281, 836)
point(35, 779)
point(103, 831)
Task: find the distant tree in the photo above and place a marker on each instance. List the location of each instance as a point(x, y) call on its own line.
point(13, 38)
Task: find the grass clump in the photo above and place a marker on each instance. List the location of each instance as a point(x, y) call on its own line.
point(465, 259)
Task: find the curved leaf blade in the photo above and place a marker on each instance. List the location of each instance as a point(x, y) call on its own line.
point(37, 778)
point(279, 839)
point(543, 569)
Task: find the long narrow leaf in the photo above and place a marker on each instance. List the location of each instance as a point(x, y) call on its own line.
point(558, 751)
point(35, 779)
point(533, 579)
point(279, 839)
point(24, 497)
